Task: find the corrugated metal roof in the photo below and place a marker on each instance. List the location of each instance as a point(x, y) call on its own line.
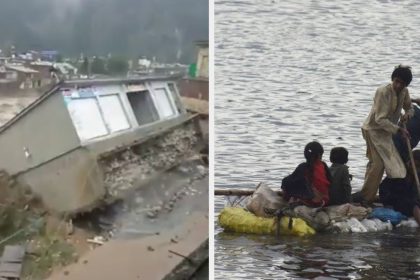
point(64, 67)
point(105, 81)
point(42, 63)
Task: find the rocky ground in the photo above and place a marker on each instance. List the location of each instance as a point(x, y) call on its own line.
point(161, 219)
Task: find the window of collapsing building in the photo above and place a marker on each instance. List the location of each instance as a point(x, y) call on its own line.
point(172, 89)
point(95, 115)
point(113, 113)
point(164, 103)
point(149, 107)
point(143, 107)
point(87, 118)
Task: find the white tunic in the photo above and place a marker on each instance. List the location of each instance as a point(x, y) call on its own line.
point(382, 123)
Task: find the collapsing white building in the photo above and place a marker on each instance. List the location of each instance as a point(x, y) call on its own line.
point(86, 140)
point(99, 111)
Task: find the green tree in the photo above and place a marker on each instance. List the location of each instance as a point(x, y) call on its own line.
point(84, 68)
point(98, 66)
point(117, 65)
point(59, 58)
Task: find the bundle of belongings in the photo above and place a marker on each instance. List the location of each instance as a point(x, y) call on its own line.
point(266, 212)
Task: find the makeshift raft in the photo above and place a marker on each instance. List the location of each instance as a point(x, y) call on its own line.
point(302, 220)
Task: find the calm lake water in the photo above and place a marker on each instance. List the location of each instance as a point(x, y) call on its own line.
point(289, 72)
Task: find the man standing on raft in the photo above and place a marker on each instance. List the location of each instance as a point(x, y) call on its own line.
point(378, 129)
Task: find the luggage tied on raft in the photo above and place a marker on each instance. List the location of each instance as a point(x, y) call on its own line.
point(264, 202)
point(267, 213)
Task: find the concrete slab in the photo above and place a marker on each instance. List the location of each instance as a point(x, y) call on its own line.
point(11, 261)
point(146, 258)
point(13, 254)
point(10, 270)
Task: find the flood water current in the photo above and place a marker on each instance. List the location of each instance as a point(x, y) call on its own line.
point(289, 72)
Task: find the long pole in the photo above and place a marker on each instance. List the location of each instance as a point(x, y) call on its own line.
point(413, 165)
point(238, 192)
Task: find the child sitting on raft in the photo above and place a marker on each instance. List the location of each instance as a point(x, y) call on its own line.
point(310, 182)
point(340, 189)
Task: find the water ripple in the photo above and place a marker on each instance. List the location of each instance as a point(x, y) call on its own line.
point(288, 72)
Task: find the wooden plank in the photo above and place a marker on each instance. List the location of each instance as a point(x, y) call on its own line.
point(247, 192)
point(238, 192)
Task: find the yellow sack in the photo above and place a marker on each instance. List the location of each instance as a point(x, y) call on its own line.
point(239, 220)
point(299, 227)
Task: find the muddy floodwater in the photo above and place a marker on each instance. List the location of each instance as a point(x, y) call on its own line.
point(289, 72)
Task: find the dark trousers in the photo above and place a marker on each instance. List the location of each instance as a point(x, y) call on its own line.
point(413, 127)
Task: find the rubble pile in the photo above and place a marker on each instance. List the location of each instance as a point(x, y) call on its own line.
point(130, 166)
